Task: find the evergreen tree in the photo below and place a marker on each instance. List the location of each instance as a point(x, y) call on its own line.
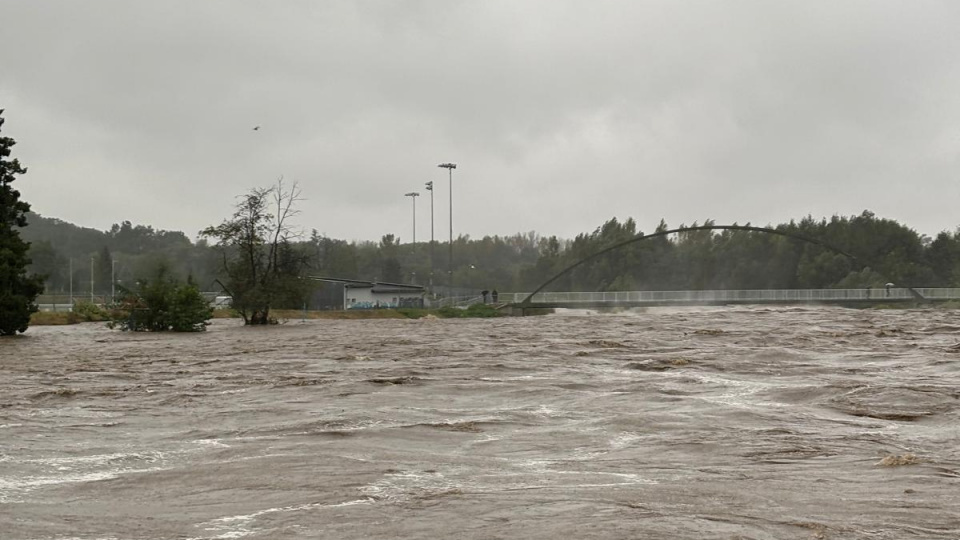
point(18, 292)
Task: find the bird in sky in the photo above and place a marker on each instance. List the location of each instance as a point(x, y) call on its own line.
point(256, 128)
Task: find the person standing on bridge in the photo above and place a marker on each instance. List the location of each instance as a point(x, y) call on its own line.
point(495, 295)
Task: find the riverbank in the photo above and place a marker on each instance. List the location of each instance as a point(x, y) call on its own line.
point(47, 318)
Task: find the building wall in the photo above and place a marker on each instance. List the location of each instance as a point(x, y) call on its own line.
point(365, 298)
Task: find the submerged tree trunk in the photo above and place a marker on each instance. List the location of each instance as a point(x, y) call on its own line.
point(259, 316)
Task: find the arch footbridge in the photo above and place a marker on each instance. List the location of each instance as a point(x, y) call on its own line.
point(538, 298)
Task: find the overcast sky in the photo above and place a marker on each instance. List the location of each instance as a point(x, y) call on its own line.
point(559, 114)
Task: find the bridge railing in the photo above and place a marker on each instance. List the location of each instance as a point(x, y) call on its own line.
point(740, 296)
point(456, 301)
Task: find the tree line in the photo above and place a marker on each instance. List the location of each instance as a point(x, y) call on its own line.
point(887, 250)
point(884, 251)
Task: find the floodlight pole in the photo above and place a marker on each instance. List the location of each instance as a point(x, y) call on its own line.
point(430, 189)
point(413, 196)
point(450, 167)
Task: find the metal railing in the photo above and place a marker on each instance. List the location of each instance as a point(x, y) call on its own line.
point(740, 296)
point(65, 302)
point(456, 301)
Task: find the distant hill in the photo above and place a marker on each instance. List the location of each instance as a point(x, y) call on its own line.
point(125, 253)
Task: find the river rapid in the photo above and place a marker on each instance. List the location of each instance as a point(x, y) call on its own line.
point(727, 423)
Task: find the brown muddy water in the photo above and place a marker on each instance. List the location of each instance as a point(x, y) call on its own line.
point(720, 423)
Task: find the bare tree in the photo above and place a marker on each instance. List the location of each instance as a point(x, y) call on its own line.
point(261, 265)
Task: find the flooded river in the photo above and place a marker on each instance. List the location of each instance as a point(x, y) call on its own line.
point(727, 423)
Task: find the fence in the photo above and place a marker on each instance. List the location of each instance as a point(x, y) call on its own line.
point(738, 296)
point(456, 301)
point(65, 302)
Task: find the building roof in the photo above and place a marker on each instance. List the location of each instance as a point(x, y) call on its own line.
point(376, 286)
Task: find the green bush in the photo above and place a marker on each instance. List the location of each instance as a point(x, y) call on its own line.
point(163, 305)
point(482, 311)
point(450, 312)
point(474, 311)
point(84, 311)
point(413, 313)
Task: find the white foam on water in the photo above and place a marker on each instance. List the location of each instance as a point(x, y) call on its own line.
point(545, 411)
point(78, 538)
point(96, 459)
point(11, 488)
point(211, 442)
point(738, 392)
point(624, 439)
point(405, 485)
point(75, 412)
point(241, 525)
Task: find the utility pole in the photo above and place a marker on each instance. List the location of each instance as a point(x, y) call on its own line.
point(450, 167)
point(430, 189)
point(91, 280)
point(71, 283)
point(113, 281)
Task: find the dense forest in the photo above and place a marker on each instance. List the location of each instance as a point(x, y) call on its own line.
point(886, 250)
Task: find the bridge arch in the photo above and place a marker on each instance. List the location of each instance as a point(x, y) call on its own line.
point(642, 237)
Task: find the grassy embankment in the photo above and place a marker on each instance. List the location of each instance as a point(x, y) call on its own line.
point(474, 311)
point(84, 313)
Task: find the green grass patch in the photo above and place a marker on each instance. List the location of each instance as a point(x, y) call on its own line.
point(82, 312)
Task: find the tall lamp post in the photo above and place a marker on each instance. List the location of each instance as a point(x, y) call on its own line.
point(413, 196)
point(450, 167)
point(430, 189)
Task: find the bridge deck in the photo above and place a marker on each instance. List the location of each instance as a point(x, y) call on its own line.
point(722, 297)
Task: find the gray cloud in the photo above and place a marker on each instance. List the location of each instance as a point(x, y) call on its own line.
point(560, 114)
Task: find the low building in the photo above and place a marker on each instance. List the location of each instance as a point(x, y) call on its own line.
point(354, 294)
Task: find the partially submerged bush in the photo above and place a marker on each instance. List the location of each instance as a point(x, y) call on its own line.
point(476, 310)
point(413, 313)
point(163, 305)
point(482, 310)
point(84, 311)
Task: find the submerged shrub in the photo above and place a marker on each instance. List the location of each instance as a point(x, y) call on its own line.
point(163, 305)
point(450, 312)
point(482, 310)
point(84, 311)
point(476, 310)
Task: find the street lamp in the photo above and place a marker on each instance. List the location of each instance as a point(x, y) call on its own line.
point(450, 167)
point(430, 189)
point(413, 196)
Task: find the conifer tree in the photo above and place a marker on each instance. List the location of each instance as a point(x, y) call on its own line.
point(18, 292)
